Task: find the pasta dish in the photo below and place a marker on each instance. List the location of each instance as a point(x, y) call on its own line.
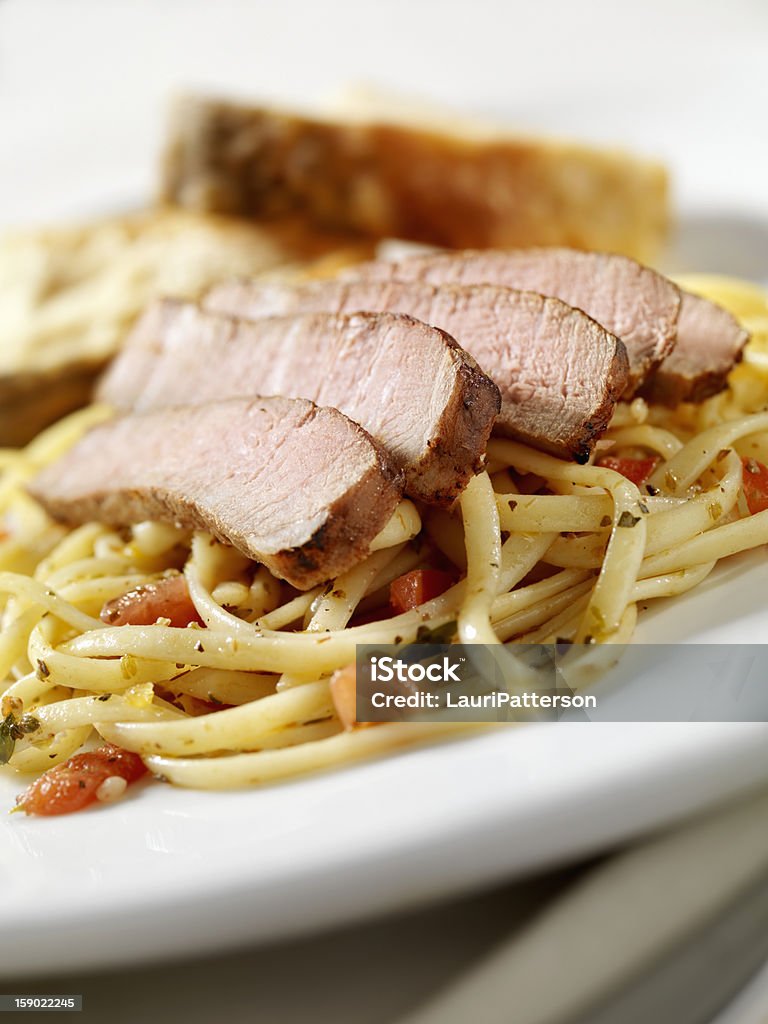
point(218, 668)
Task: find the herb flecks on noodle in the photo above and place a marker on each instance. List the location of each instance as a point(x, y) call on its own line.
point(544, 551)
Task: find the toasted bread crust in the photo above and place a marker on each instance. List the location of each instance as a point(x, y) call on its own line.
point(388, 180)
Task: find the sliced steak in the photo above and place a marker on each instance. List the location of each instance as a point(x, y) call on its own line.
point(302, 489)
point(631, 301)
point(409, 385)
point(126, 376)
point(710, 342)
point(560, 374)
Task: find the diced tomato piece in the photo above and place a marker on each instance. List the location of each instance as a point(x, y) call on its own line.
point(344, 694)
point(167, 599)
point(60, 792)
point(414, 588)
point(755, 484)
point(636, 470)
point(110, 760)
point(73, 785)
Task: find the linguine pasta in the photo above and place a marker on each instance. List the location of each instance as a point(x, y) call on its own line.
point(545, 550)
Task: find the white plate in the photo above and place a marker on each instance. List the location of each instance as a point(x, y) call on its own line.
point(172, 871)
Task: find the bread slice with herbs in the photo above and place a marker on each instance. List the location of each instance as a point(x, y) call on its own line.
point(460, 189)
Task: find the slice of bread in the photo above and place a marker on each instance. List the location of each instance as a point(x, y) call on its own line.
point(461, 189)
point(68, 295)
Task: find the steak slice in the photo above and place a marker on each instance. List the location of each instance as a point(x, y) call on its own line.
point(124, 379)
point(710, 341)
point(299, 488)
point(631, 301)
point(409, 385)
point(560, 374)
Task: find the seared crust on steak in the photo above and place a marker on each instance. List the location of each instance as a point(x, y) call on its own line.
point(710, 341)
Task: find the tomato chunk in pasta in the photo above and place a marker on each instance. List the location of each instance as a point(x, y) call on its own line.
point(636, 470)
point(167, 599)
point(755, 485)
point(417, 587)
point(82, 780)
